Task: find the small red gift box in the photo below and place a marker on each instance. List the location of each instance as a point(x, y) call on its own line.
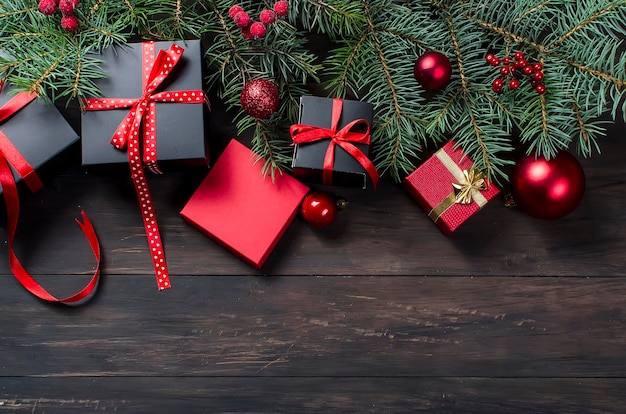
point(240, 208)
point(448, 188)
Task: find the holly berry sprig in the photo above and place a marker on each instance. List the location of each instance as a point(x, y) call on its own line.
point(255, 30)
point(69, 21)
point(512, 69)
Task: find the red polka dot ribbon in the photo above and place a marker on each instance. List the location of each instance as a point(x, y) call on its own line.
point(143, 113)
point(344, 137)
point(9, 155)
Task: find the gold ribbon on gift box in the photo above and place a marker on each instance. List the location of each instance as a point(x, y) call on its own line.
point(467, 188)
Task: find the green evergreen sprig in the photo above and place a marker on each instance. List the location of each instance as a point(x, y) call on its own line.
point(374, 44)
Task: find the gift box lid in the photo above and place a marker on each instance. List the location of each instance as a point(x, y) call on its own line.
point(240, 208)
point(40, 133)
point(181, 133)
point(308, 159)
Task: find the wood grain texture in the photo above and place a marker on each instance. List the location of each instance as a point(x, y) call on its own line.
point(379, 313)
point(311, 395)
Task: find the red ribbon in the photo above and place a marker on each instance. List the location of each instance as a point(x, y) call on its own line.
point(9, 155)
point(344, 137)
point(143, 111)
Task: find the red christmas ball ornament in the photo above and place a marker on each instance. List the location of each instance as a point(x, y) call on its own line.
point(319, 209)
point(432, 70)
point(259, 98)
point(548, 189)
point(47, 7)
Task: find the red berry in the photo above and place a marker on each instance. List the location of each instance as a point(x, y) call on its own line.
point(506, 60)
point(534, 82)
point(232, 12)
point(319, 209)
point(513, 84)
point(538, 67)
point(538, 76)
point(541, 89)
point(66, 6)
point(528, 70)
point(497, 85)
point(267, 16)
point(504, 70)
point(489, 57)
point(519, 64)
point(47, 7)
point(69, 22)
point(242, 19)
point(281, 8)
point(495, 61)
point(518, 55)
point(245, 32)
point(257, 30)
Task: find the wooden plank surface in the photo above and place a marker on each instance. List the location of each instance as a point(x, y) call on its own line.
point(379, 313)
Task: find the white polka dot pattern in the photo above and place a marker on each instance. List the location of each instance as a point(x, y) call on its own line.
point(143, 111)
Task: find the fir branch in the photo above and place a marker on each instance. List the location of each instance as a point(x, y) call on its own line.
point(589, 20)
point(619, 83)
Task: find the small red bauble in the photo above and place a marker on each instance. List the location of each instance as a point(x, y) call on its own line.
point(432, 70)
point(513, 84)
point(319, 209)
point(548, 189)
point(540, 88)
point(66, 6)
point(259, 98)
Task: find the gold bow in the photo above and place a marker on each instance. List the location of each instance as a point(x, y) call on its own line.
point(473, 181)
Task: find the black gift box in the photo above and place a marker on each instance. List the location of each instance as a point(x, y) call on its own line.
point(181, 134)
point(308, 158)
point(42, 136)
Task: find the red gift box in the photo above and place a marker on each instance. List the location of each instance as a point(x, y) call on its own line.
point(448, 188)
point(240, 208)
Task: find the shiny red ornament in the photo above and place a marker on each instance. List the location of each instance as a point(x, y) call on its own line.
point(432, 70)
point(259, 98)
point(548, 189)
point(319, 209)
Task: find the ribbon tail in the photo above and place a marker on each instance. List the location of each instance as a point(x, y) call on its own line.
point(26, 280)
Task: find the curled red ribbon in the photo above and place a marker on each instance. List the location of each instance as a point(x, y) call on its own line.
point(344, 137)
point(143, 112)
point(9, 155)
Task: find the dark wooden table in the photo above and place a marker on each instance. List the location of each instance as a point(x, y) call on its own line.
point(379, 313)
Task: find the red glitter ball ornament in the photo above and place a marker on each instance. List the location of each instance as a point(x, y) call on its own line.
point(232, 12)
point(319, 209)
point(548, 189)
point(432, 70)
point(259, 98)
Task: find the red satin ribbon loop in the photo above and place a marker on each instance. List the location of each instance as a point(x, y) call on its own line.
point(345, 138)
point(9, 155)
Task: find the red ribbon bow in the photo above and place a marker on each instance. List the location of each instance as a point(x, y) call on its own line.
point(9, 155)
point(143, 111)
point(344, 137)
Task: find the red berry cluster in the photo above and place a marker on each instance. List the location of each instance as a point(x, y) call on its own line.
point(510, 68)
point(69, 21)
point(256, 30)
